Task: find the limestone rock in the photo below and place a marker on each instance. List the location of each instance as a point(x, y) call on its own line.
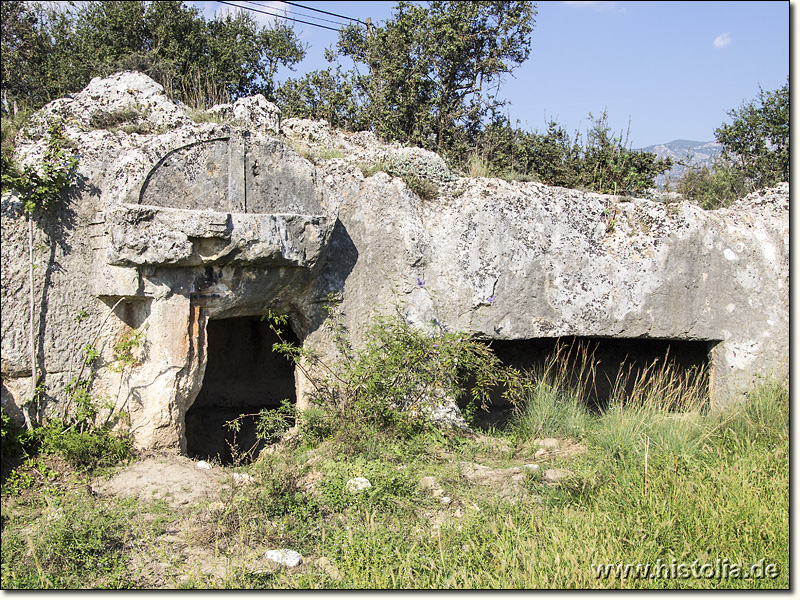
point(288, 558)
point(254, 113)
point(357, 484)
point(429, 483)
point(554, 475)
point(172, 225)
point(243, 478)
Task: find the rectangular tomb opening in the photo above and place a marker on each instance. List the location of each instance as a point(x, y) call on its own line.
point(243, 376)
point(602, 368)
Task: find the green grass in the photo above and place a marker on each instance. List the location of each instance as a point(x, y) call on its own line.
point(76, 542)
point(314, 154)
point(653, 485)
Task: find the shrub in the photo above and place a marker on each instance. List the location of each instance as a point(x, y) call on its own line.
point(717, 187)
point(92, 449)
point(385, 389)
point(757, 140)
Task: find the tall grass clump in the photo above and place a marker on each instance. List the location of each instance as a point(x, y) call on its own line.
point(657, 407)
point(554, 396)
point(762, 416)
point(477, 166)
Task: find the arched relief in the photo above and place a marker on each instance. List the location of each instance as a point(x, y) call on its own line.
point(235, 174)
point(196, 177)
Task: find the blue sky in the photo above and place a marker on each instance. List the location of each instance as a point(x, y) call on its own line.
point(674, 69)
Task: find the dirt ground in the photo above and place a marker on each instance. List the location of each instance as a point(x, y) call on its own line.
point(179, 481)
point(185, 553)
point(175, 479)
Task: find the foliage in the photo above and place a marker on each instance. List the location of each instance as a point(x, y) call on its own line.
point(51, 51)
point(24, 46)
point(321, 95)
point(16, 442)
point(92, 449)
point(78, 543)
point(83, 447)
point(603, 163)
point(401, 373)
point(609, 167)
point(427, 77)
point(280, 494)
point(712, 188)
point(755, 153)
point(125, 348)
point(270, 424)
point(40, 188)
point(756, 142)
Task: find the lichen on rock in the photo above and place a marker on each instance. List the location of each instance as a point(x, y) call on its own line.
point(172, 224)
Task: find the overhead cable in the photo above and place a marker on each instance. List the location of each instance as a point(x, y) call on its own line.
point(325, 12)
point(291, 12)
point(277, 15)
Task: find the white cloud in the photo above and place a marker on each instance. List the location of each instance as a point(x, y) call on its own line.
point(722, 40)
point(597, 5)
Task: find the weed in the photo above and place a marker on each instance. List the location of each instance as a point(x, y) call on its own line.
point(76, 544)
point(314, 154)
point(370, 169)
point(424, 188)
point(100, 447)
point(125, 348)
point(200, 115)
point(16, 441)
point(417, 182)
point(109, 119)
point(478, 166)
point(513, 175)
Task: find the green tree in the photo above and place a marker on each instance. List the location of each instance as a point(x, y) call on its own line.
point(50, 51)
point(610, 166)
point(26, 46)
point(321, 95)
point(430, 75)
point(757, 141)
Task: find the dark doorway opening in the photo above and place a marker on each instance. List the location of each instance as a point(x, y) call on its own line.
point(243, 376)
point(599, 366)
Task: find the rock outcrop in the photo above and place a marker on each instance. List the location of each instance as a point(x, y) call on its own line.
point(173, 224)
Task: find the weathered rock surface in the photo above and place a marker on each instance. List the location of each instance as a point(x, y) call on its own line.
point(173, 223)
point(357, 484)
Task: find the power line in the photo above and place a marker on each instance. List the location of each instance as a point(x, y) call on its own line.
point(323, 12)
point(300, 14)
point(277, 15)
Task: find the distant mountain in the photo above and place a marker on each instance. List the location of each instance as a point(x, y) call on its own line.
point(701, 153)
